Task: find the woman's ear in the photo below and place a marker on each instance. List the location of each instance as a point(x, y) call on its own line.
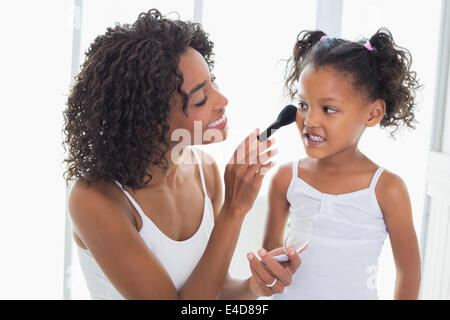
point(377, 109)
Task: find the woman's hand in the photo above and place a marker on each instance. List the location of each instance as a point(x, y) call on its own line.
point(270, 276)
point(245, 171)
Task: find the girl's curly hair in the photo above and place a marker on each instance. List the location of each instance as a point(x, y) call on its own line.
point(115, 123)
point(382, 73)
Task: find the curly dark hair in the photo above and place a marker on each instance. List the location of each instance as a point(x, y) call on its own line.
point(115, 123)
point(383, 73)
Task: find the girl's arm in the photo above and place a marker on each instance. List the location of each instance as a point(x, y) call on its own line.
point(395, 204)
point(278, 208)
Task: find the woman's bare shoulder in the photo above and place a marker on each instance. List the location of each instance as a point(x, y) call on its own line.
point(90, 192)
point(95, 200)
point(211, 171)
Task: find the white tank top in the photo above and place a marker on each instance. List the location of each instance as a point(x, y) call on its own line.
point(341, 260)
point(179, 258)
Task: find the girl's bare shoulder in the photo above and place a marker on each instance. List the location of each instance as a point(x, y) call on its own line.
point(282, 177)
point(390, 189)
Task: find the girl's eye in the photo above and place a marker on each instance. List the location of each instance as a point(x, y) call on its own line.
point(302, 106)
point(201, 103)
point(329, 110)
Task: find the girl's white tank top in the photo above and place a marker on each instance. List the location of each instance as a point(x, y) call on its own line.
point(341, 260)
point(179, 258)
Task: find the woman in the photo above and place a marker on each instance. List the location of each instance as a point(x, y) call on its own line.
point(148, 221)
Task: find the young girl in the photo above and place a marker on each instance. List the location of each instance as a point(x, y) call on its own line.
point(343, 88)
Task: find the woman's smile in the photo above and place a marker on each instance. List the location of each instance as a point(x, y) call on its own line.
point(219, 124)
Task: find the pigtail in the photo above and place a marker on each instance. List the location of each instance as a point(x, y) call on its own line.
point(305, 42)
point(396, 83)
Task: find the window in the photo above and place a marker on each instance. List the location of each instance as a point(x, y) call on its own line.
point(407, 155)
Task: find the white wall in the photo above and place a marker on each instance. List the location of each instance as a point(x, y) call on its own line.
point(35, 59)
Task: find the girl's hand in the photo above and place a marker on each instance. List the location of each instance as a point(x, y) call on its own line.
point(244, 173)
point(270, 276)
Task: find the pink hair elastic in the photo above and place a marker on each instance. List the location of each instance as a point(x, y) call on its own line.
point(368, 46)
point(323, 38)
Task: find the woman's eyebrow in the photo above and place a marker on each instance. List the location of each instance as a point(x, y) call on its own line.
point(197, 87)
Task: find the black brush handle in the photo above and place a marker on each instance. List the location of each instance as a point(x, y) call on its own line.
point(268, 132)
point(286, 116)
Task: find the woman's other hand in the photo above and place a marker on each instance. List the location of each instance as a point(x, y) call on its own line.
point(270, 276)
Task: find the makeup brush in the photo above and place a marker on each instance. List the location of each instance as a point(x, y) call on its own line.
point(286, 116)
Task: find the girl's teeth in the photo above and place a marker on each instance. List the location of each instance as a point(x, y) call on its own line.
point(315, 138)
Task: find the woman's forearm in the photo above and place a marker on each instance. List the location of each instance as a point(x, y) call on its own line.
point(234, 289)
point(208, 277)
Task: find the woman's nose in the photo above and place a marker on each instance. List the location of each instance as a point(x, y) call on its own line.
point(222, 101)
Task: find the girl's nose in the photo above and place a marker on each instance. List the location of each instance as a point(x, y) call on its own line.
point(311, 120)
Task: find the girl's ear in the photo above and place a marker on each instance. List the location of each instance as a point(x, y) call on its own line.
point(377, 111)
